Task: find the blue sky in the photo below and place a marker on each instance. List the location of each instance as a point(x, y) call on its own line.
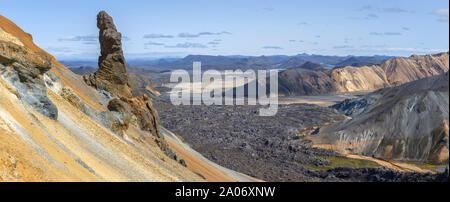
point(153, 29)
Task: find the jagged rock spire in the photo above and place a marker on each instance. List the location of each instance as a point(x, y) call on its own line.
point(112, 74)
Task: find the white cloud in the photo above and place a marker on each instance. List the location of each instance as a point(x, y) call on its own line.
point(417, 50)
point(442, 15)
point(187, 45)
point(157, 36)
point(189, 35)
point(154, 44)
point(272, 47)
point(343, 47)
point(442, 12)
point(79, 38)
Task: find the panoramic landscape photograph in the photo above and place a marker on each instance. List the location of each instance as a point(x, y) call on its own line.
point(224, 91)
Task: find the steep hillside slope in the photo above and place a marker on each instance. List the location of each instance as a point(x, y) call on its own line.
point(408, 122)
point(54, 127)
point(300, 81)
point(390, 73)
point(24, 38)
point(141, 85)
point(83, 70)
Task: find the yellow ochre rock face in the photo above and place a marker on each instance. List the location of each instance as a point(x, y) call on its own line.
point(73, 146)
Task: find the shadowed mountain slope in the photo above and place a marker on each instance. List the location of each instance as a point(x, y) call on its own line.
point(408, 122)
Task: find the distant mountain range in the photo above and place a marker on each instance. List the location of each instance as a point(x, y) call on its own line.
point(363, 61)
point(243, 62)
point(299, 76)
point(312, 79)
point(393, 72)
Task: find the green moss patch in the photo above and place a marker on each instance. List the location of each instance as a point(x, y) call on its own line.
point(344, 162)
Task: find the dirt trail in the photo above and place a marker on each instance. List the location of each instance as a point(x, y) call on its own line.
point(399, 166)
point(404, 167)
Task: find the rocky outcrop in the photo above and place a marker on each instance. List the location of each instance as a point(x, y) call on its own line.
point(408, 122)
point(112, 74)
point(393, 72)
point(24, 70)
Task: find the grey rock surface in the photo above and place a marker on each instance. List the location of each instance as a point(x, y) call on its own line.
point(408, 122)
point(24, 70)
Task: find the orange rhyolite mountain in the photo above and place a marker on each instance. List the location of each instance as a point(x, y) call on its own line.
point(54, 127)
